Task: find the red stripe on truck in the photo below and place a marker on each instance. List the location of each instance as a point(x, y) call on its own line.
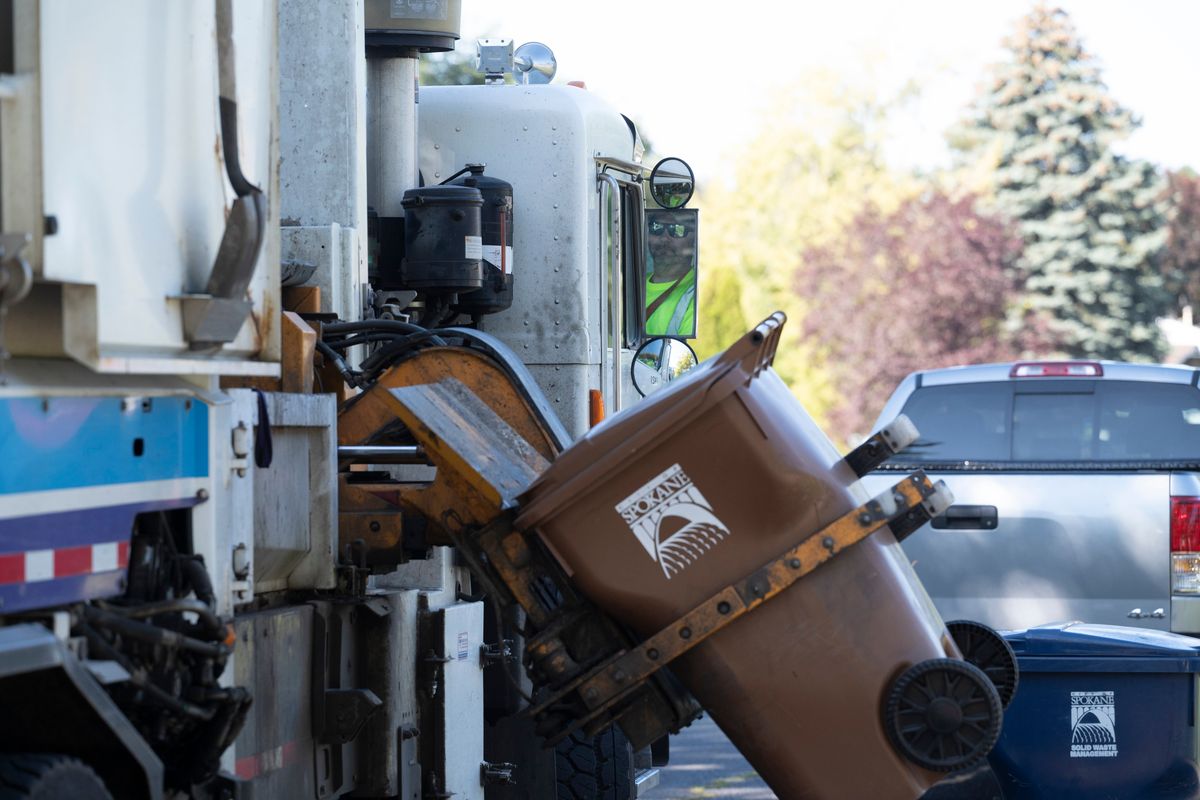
point(250, 767)
point(72, 561)
point(12, 568)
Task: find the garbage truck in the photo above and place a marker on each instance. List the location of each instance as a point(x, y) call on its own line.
point(321, 471)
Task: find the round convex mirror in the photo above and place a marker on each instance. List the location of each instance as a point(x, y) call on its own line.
point(672, 183)
point(659, 361)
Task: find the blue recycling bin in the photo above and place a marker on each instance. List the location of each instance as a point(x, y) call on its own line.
point(1102, 713)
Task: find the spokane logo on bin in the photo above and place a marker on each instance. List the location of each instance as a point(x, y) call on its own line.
point(1093, 724)
point(672, 520)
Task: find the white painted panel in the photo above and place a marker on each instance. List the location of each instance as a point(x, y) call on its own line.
point(543, 140)
point(463, 696)
point(295, 499)
point(133, 173)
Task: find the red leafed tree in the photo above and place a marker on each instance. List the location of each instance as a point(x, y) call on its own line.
point(1181, 262)
point(928, 285)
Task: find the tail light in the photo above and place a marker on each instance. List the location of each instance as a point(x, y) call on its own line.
point(1185, 545)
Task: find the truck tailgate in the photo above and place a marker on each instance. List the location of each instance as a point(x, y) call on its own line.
point(1077, 546)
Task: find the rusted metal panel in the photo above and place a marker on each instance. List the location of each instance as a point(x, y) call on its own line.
point(482, 462)
point(367, 416)
point(299, 345)
point(365, 517)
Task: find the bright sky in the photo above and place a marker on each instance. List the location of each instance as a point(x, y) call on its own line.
point(696, 76)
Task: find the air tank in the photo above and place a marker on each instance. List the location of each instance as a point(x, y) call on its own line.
point(443, 246)
point(496, 294)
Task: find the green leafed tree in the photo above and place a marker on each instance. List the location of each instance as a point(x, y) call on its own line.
point(812, 167)
point(1093, 221)
point(455, 68)
point(722, 321)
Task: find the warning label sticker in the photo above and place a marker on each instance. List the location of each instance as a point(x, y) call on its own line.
point(1093, 724)
point(473, 247)
point(500, 258)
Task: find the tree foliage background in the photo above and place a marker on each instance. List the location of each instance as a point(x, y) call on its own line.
point(1093, 221)
point(815, 165)
point(1043, 240)
point(1181, 262)
point(926, 285)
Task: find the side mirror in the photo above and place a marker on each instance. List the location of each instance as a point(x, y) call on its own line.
point(659, 361)
point(672, 183)
point(672, 239)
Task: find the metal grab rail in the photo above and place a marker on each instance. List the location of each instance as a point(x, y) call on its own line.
point(612, 277)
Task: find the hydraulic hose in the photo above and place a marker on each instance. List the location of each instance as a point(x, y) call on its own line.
point(139, 679)
point(343, 368)
point(152, 634)
point(376, 325)
point(197, 607)
point(197, 576)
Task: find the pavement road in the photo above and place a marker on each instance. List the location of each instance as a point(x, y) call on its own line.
point(704, 764)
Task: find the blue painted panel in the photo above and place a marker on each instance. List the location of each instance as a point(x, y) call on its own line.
point(79, 527)
point(73, 442)
point(47, 594)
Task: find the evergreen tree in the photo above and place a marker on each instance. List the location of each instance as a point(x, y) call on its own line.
point(1093, 221)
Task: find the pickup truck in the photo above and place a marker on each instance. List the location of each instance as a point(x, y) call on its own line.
point(1077, 489)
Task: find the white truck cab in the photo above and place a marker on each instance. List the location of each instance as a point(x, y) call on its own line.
point(553, 144)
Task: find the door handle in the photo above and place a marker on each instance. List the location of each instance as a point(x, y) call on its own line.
point(963, 518)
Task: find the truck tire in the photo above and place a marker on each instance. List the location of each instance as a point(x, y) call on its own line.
point(28, 776)
point(594, 768)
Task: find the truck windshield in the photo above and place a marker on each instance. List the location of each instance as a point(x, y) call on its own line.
point(1055, 421)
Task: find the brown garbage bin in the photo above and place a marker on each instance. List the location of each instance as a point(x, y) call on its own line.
point(698, 486)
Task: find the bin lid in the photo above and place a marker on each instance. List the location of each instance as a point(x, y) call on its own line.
point(1081, 647)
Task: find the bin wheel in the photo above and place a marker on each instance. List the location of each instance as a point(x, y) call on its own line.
point(943, 714)
point(991, 652)
point(29, 776)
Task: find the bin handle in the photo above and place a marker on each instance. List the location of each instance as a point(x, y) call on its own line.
point(757, 348)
